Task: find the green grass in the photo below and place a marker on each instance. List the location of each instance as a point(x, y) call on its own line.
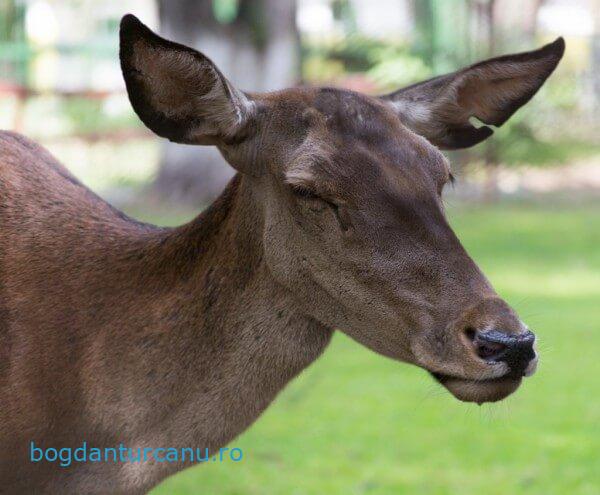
point(357, 423)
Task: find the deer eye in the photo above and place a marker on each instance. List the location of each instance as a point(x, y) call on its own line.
point(340, 215)
point(304, 193)
point(450, 181)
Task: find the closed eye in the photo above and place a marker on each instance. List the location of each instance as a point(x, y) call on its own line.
point(304, 192)
point(451, 180)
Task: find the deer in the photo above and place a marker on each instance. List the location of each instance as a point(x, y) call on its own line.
point(117, 331)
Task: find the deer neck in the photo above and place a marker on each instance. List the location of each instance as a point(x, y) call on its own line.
point(231, 337)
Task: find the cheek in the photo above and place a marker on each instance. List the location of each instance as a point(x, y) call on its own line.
point(291, 260)
point(287, 246)
point(301, 252)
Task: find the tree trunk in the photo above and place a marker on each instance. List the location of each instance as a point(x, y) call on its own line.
point(490, 154)
point(258, 51)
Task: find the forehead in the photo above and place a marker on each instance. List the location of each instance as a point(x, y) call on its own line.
point(355, 116)
point(350, 135)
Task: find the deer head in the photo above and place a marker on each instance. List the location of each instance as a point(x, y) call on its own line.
point(349, 187)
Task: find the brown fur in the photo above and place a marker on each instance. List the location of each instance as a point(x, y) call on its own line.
point(113, 331)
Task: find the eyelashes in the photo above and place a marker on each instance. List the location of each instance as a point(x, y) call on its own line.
point(451, 181)
point(304, 192)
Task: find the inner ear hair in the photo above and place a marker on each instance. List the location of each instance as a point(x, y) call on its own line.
point(440, 109)
point(177, 91)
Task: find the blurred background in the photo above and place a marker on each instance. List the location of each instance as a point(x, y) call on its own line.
point(526, 205)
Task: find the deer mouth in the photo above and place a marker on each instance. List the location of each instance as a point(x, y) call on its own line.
point(479, 391)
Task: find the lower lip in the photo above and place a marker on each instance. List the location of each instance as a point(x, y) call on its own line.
point(490, 390)
point(442, 378)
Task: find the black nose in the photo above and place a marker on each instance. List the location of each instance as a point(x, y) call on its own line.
point(516, 350)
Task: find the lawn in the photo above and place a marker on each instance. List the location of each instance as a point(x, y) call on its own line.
point(357, 423)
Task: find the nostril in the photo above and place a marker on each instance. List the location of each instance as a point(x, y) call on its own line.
point(489, 350)
point(484, 347)
point(516, 350)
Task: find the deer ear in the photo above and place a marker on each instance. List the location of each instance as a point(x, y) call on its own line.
point(178, 92)
point(439, 109)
